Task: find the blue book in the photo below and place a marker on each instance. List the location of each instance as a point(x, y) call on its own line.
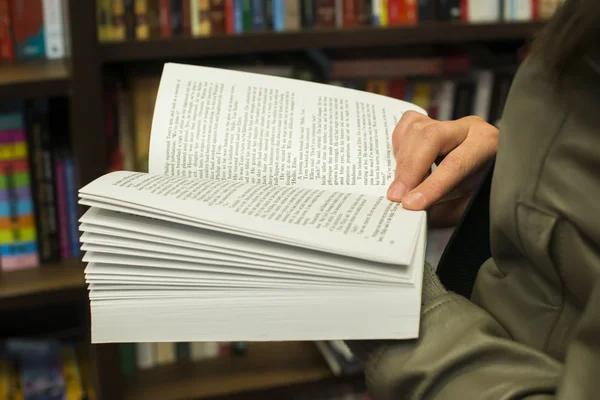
point(19, 248)
point(258, 15)
point(279, 15)
point(238, 21)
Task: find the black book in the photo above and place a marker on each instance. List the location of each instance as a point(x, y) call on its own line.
point(448, 10)
point(176, 17)
point(427, 10)
point(308, 11)
point(464, 98)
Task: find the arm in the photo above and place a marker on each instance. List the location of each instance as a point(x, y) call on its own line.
point(464, 353)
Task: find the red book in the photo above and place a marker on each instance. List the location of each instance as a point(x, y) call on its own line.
point(186, 17)
point(396, 12)
point(325, 13)
point(164, 15)
point(464, 10)
point(397, 89)
point(535, 9)
point(229, 16)
point(7, 49)
point(349, 12)
point(411, 9)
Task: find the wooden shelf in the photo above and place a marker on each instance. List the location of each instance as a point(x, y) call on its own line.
point(47, 284)
point(267, 366)
point(190, 47)
point(34, 78)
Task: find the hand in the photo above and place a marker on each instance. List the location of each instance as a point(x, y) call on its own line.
point(467, 144)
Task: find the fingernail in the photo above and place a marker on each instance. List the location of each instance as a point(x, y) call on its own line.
point(414, 200)
point(397, 190)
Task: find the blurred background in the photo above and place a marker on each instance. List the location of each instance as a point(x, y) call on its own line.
point(78, 81)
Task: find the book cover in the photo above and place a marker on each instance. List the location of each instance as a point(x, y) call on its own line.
point(7, 49)
point(325, 13)
point(28, 28)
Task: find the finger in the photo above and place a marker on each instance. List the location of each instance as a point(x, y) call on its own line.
point(456, 166)
point(411, 140)
point(448, 213)
point(407, 118)
point(433, 139)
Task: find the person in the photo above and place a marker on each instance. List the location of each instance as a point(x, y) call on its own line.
point(531, 328)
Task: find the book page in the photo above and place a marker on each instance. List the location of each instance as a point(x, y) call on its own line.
point(355, 225)
point(231, 125)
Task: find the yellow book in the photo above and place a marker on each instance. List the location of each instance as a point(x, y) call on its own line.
point(73, 390)
point(384, 13)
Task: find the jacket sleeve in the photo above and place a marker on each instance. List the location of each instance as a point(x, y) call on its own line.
point(464, 353)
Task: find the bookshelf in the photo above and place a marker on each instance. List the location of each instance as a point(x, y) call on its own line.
point(247, 43)
point(269, 369)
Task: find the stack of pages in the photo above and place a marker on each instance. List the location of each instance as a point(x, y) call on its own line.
point(263, 217)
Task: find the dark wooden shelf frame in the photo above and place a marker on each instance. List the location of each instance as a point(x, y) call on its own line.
point(34, 78)
point(428, 33)
point(266, 368)
point(30, 288)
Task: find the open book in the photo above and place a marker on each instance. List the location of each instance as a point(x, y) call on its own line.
point(263, 217)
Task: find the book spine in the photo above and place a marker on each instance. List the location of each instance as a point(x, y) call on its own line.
point(279, 15)
point(449, 10)
point(465, 10)
point(349, 12)
point(411, 12)
point(130, 20)
point(363, 12)
point(118, 20)
point(145, 355)
point(384, 19)
point(127, 358)
point(426, 10)
point(229, 17)
point(71, 197)
point(142, 21)
point(217, 16)
point(292, 15)
point(238, 15)
point(376, 13)
point(325, 13)
point(61, 206)
point(28, 28)
point(308, 13)
point(269, 15)
point(7, 48)
point(165, 18)
point(247, 15)
point(54, 32)
point(104, 20)
point(186, 18)
point(42, 178)
point(258, 15)
point(176, 21)
point(395, 12)
point(182, 350)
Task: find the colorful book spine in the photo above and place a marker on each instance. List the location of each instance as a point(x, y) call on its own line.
point(61, 205)
point(119, 30)
point(326, 13)
point(426, 10)
point(164, 16)
point(18, 239)
point(54, 29)
point(292, 15)
point(71, 197)
point(28, 28)
point(105, 20)
point(229, 16)
point(247, 15)
point(308, 13)
point(376, 12)
point(142, 20)
point(258, 15)
point(396, 12)
point(349, 12)
point(186, 17)
point(216, 16)
point(411, 12)
point(200, 17)
point(363, 12)
point(130, 20)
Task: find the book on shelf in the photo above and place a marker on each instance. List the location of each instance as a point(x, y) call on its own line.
point(263, 217)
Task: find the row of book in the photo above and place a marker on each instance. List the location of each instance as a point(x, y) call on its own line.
point(139, 356)
point(120, 20)
point(43, 369)
point(38, 184)
point(33, 29)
